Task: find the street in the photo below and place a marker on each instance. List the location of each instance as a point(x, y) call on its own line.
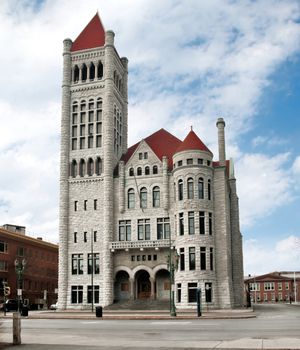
point(275, 324)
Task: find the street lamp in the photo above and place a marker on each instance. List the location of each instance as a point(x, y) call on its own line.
point(172, 266)
point(19, 267)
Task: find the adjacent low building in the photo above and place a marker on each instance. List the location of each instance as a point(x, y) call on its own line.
point(273, 287)
point(37, 263)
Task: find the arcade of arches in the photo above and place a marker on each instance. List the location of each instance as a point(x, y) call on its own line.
point(142, 284)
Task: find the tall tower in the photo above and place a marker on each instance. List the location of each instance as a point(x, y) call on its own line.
point(93, 139)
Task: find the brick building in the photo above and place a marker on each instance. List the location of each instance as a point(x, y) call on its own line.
point(274, 287)
point(41, 266)
point(124, 211)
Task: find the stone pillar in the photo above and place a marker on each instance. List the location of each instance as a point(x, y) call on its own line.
point(165, 189)
point(108, 167)
point(152, 281)
point(131, 290)
point(64, 174)
point(121, 187)
point(221, 141)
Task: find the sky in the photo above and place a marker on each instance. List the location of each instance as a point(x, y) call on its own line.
point(190, 62)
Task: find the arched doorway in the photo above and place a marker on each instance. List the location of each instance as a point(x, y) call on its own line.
point(122, 286)
point(143, 285)
point(162, 278)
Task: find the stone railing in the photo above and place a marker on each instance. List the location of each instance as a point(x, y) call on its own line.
point(161, 243)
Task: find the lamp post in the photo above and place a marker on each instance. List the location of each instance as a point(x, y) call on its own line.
point(172, 267)
point(19, 267)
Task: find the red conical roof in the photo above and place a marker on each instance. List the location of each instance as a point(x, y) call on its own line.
point(93, 35)
point(192, 142)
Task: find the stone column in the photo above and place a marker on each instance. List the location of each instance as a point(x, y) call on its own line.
point(221, 141)
point(152, 281)
point(131, 290)
point(64, 174)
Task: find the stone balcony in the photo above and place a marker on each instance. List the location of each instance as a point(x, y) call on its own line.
point(126, 245)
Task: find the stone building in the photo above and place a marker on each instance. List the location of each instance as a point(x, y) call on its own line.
point(125, 213)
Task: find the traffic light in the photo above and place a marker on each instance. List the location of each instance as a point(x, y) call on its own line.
point(6, 291)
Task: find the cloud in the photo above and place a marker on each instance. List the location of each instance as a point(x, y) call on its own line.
point(189, 63)
point(283, 256)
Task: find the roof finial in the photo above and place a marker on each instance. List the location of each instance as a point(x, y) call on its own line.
point(191, 127)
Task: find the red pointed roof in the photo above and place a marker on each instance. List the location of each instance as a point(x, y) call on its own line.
point(93, 35)
point(162, 144)
point(192, 142)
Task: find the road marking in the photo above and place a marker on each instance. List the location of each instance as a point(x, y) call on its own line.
point(89, 322)
point(171, 322)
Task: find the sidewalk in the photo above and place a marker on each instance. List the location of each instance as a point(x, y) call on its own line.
point(137, 314)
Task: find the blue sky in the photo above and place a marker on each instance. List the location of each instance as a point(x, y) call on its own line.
point(190, 62)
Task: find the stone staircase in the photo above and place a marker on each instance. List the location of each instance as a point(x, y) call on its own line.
point(139, 304)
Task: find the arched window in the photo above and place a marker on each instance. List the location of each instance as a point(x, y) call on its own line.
point(209, 190)
point(131, 172)
point(92, 71)
point(76, 74)
point(82, 167)
point(200, 188)
point(156, 197)
point(130, 199)
point(98, 166)
point(139, 171)
point(90, 167)
point(100, 70)
point(84, 72)
point(74, 168)
point(147, 170)
point(180, 190)
point(143, 197)
point(190, 188)
point(155, 169)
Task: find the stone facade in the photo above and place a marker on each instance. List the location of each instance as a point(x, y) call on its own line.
point(125, 213)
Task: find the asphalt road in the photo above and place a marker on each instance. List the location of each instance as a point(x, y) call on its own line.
point(273, 322)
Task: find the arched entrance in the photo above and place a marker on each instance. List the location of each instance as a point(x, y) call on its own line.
point(162, 278)
point(122, 286)
point(143, 285)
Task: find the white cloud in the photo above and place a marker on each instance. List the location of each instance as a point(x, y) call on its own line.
point(284, 256)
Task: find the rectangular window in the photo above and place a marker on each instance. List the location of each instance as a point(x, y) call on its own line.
point(202, 222)
point(20, 251)
point(82, 143)
point(95, 236)
point(3, 247)
point(191, 221)
point(211, 258)
point(200, 161)
point(82, 130)
point(93, 264)
point(91, 116)
point(99, 128)
point(178, 292)
point(125, 230)
point(192, 291)
point(76, 294)
point(181, 224)
point(93, 298)
point(82, 117)
point(145, 155)
point(181, 267)
point(90, 141)
point(84, 237)
point(202, 258)
point(3, 265)
point(210, 223)
point(144, 229)
point(280, 296)
point(179, 163)
point(95, 204)
point(279, 285)
point(208, 292)
point(99, 115)
point(75, 205)
point(74, 131)
point(85, 204)
point(269, 286)
point(75, 118)
point(98, 141)
point(265, 297)
point(75, 237)
point(189, 161)
point(192, 258)
point(287, 287)
point(140, 156)
point(163, 228)
point(74, 144)
point(208, 163)
point(154, 257)
point(77, 264)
